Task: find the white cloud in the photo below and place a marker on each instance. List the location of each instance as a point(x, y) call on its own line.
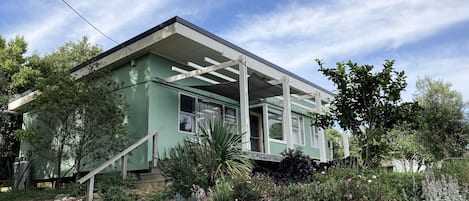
point(294, 34)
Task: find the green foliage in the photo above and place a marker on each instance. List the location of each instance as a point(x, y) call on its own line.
point(182, 164)
point(253, 188)
point(222, 191)
point(444, 130)
point(11, 62)
point(217, 153)
point(335, 138)
point(408, 149)
point(112, 186)
point(391, 184)
point(455, 168)
point(76, 120)
point(159, 195)
point(223, 142)
point(368, 104)
point(333, 189)
point(32, 195)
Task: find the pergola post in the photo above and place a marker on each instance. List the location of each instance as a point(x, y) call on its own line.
point(322, 132)
point(346, 144)
point(244, 105)
point(287, 123)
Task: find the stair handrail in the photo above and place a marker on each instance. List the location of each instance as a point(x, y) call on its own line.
point(122, 155)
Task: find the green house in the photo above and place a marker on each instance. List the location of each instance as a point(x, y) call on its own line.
point(177, 74)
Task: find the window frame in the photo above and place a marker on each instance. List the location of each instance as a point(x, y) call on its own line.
point(301, 130)
point(314, 131)
point(196, 110)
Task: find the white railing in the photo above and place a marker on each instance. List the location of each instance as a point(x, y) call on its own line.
point(123, 156)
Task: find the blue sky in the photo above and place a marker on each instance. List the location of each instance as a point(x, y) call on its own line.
point(425, 37)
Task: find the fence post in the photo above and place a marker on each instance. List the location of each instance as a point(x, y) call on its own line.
point(124, 166)
point(155, 150)
point(90, 188)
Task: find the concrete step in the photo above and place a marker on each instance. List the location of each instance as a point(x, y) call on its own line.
point(151, 176)
point(150, 185)
point(150, 181)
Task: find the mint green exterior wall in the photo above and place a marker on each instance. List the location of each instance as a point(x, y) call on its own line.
point(152, 105)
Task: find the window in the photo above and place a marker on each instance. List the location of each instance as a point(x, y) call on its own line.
point(297, 130)
point(187, 113)
point(314, 136)
point(193, 111)
point(275, 124)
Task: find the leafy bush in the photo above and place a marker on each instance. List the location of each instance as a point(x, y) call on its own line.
point(253, 188)
point(222, 191)
point(182, 165)
point(201, 162)
point(333, 189)
point(391, 184)
point(32, 195)
point(456, 168)
point(112, 186)
point(294, 167)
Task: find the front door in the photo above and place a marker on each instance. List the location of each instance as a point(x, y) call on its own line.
point(254, 123)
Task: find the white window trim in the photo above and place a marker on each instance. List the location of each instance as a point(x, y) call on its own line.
point(277, 141)
point(284, 141)
point(312, 134)
point(195, 115)
point(301, 129)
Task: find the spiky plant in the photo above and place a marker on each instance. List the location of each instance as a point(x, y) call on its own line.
point(224, 145)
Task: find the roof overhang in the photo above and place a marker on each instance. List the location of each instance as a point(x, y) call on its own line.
point(183, 42)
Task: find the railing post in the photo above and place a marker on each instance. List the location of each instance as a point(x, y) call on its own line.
point(90, 188)
point(124, 166)
point(155, 150)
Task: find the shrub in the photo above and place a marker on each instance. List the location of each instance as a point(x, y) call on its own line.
point(294, 167)
point(222, 191)
point(216, 154)
point(441, 189)
point(456, 168)
point(112, 186)
point(391, 184)
point(333, 189)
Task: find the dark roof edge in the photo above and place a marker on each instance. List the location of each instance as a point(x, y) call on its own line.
point(245, 52)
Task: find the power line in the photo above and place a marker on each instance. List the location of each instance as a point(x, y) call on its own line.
point(89, 23)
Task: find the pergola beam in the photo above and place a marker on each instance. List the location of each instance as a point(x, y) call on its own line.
point(201, 71)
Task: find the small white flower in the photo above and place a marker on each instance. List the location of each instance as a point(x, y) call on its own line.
point(369, 180)
point(374, 176)
point(323, 172)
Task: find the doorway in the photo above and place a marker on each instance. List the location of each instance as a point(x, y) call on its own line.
point(255, 122)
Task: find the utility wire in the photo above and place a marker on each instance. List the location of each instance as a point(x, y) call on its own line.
point(89, 23)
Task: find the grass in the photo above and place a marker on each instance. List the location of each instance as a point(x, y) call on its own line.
point(32, 195)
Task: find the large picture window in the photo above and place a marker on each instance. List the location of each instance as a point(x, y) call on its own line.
point(194, 111)
point(298, 130)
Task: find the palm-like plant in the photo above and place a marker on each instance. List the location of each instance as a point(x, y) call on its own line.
point(223, 144)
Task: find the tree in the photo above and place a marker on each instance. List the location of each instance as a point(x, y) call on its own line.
point(75, 120)
point(408, 149)
point(335, 143)
point(367, 104)
point(11, 62)
point(444, 129)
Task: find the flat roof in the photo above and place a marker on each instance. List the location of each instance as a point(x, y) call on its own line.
point(197, 29)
